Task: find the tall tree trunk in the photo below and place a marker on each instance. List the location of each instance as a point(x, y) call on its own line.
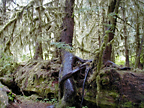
point(113, 8)
point(4, 6)
point(103, 21)
point(69, 91)
point(139, 49)
point(126, 38)
point(38, 47)
point(137, 40)
point(57, 37)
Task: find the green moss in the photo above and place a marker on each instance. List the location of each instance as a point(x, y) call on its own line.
point(32, 77)
point(127, 104)
point(141, 105)
point(105, 80)
point(108, 99)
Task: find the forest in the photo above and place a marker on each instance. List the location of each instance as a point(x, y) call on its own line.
point(71, 54)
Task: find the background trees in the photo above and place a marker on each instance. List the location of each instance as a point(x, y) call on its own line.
point(24, 25)
point(91, 29)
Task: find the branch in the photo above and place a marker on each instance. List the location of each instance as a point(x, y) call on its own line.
point(65, 77)
point(18, 16)
point(124, 21)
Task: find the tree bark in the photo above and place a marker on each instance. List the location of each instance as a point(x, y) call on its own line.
point(139, 49)
point(4, 6)
point(137, 41)
point(126, 38)
point(113, 8)
point(38, 47)
point(68, 91)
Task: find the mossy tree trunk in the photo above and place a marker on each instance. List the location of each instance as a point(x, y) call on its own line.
point(67, 94)
point(139, 45)
point(38, 46)
point(57, 37)
point(4, 6)
point(112, 11)
point(137, 41)
point(2, 42)
point(126, 38)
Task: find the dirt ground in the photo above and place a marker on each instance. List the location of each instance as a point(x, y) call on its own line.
point(28, 104)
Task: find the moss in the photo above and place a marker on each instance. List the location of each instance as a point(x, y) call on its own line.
point(128, 104)
point(105, 80)
point(141, 105)
point(108, 99)
point(90, 96)
point(34, 77)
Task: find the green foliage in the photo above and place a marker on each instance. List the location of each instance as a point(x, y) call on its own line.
point(7, 64)
point(75, 107)
point(70, 107)
point(11, 96)
point(141, 105)
point(25, 57)
point(84, 107)
point(128, 104)
point(109, 31)
point(112, 14)
point(5, 59)
point(54, 100)
point(50, 101)
point(62, 45)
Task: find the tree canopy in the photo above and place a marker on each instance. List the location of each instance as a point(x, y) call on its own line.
point(20, 28)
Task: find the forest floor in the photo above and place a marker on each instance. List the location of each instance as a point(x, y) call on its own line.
point(27, 102)
point(127, 86)
point(132, 89)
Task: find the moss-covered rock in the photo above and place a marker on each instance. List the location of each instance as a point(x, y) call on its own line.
point(38, 76)
point(3, 97)
point(117, 89)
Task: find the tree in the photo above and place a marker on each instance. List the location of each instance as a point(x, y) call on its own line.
point(112, 12)
point(69, 91)
point(38, 45)
point(125, 37)
point(137, 41)
point(4, 6)
point(33, 25)
point(139, 44)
